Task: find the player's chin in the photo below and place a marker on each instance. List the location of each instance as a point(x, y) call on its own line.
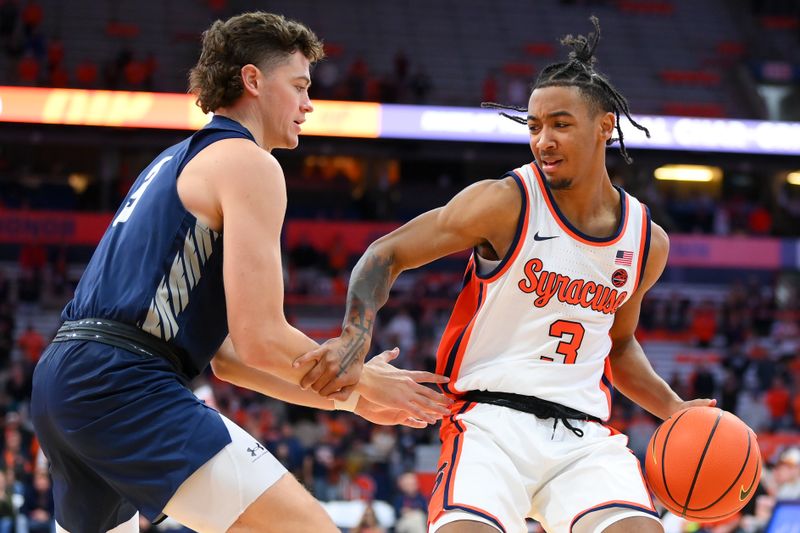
point(294, 141)
point(558, 183)
point(290, 142)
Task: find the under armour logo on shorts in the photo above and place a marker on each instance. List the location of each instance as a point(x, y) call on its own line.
point(257, 451)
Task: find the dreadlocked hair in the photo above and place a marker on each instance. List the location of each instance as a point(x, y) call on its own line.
point(578, 71)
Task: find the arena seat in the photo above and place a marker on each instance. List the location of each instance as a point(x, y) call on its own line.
point(694, 109)
point(779, 22)
point(646, 7)
point(690, 77)
point(540, 49)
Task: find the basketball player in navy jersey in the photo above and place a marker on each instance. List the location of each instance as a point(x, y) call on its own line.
point(544, 323)
point(157, 303)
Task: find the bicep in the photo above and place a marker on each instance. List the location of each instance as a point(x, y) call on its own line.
point(253, 205)
point(473, 217)
point(626, 318)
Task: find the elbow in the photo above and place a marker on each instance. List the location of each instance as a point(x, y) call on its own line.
point(221, 367)
point(260, 344)
point(227, 367)
point(381, 248)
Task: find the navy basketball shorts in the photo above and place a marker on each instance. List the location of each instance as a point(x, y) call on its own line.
point(121, 431)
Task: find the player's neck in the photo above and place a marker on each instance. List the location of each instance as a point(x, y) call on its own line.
point(248, 118)
point(591, 205)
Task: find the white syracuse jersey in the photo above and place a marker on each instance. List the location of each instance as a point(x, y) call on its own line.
point(536, 323)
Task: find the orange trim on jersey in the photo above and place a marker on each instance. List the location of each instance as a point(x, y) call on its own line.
point(612, 430)
point(512, 255)
point(643, 248)
point(567, 229)
point(447, 433)
point(452, 436)
point(456, 334)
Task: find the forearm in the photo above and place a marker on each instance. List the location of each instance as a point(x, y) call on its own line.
point(370, 283)
point(229, 367)
point(635, 377)
point(275, 350)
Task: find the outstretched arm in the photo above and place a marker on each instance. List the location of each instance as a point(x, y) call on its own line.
point(410, 403)
point(485, 213)
point(633, 374)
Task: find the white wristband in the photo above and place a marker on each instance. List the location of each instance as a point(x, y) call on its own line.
point(349, 404)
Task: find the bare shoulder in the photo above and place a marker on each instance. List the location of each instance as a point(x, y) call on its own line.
point(237, 157)
point(487, 210)
point(230, 170)
point(495, 196)
point(505, 188)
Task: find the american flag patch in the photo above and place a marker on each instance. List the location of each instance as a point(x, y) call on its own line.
point(624, 258)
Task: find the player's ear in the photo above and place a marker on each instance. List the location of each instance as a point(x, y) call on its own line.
point(607, 123)
point(251, 78)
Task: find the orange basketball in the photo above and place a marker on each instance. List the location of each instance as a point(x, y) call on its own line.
point(703, 464)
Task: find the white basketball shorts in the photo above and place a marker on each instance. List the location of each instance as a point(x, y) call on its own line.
point(499, 466)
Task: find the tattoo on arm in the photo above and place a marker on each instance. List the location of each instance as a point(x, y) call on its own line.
point(369, 289)
point(351, 351)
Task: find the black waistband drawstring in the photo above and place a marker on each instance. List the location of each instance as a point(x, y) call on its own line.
point(565, 421)
point(543, 409)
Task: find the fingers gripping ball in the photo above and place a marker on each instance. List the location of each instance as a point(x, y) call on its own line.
point(703, 464)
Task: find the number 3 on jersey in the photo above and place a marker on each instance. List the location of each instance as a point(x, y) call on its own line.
point(125, 214)
point(567, 347)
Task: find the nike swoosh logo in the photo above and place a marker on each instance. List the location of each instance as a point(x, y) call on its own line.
point(744, 493)
point(537, 238)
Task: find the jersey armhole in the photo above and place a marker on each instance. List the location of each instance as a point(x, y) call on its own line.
point(644, 245)
point(516, 244)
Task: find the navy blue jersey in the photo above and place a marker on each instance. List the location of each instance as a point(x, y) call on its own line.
point(157, 267)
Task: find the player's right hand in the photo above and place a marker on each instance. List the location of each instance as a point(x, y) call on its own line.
point(337, 368)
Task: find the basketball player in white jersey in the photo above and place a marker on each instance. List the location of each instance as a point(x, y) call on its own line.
point(544, 323)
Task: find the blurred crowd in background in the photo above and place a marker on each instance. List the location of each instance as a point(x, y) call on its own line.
point(736, 340)
point(742, 350)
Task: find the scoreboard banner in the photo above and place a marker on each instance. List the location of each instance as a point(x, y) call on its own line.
point(133, 109)
point(390, 121)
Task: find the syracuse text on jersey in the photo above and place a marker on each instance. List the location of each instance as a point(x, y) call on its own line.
point(588, 294)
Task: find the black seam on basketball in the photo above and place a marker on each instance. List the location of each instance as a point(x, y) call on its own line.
point(700, 463)
point(735, 480)
point(664, 460)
